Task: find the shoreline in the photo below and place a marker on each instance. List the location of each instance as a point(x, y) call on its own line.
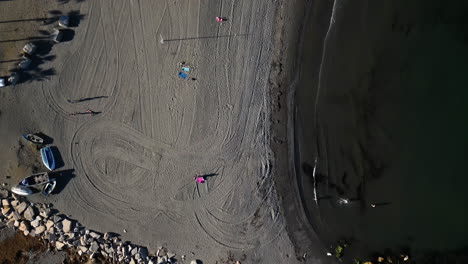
point(308, 244)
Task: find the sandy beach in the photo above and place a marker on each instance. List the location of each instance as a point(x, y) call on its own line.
point(131, 165)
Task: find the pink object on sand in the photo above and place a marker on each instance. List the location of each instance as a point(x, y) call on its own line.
point(199, 179)
point(219, 19)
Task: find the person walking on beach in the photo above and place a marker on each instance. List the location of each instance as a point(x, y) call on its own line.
point(220, 19)
point(199, 179)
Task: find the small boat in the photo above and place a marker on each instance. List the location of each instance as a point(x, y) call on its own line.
point(48, 158)
point(49, 187)
point(33, 138)
point(21, 190)
point(35, 180)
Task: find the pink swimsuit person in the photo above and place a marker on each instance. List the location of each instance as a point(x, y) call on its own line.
point(220, 19)
point(199, 179)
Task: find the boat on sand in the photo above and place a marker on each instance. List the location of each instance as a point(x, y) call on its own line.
point(48, 158)
point(33, 138)
point(49, 187)
point(35, 180)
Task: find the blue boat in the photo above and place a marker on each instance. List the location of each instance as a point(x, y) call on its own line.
point(48, 158)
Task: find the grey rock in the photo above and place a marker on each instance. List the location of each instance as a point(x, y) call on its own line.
point(59, 226)
point(75, 243)
point(143, 252)
point(26, 232)
point(134, 251)
point(30, 213)
point(57, 219)
point(16, 223)
point(4, 193)
point(21, 208)
point(51, 237)
point(67, 225)
point(15, 216)
point(14, 203)
point(170, 255)
point(94, 247)
point(132, 261)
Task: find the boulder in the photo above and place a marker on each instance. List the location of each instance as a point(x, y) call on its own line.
point(67, 225)
point(44, 212)
point(26, 232)
point(134, 251)
point(94, 235)
point(94, 247)
point(49, 224)
point(57, 219)
point(84, 249)
point(59, 226)
point(14, 203)
point(132, 261)
point(14, 215)
point(143, 252)
point(39, 230)
point(35, 223)
point(24, 226)
point(161, 260)
point(83, 241)
point(6, 210)
point(21, 207)
point(5, 202)
point(29, 213)
point(59, 245)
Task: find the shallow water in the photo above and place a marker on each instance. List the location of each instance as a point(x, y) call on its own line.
point(387, 103)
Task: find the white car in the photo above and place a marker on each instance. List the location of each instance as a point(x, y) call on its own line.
point(2, 82)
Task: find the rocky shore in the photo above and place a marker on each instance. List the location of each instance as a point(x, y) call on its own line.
point(61, 232)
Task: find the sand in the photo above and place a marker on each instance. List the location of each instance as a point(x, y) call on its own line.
point(131, 166)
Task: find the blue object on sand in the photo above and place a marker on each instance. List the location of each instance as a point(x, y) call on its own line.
point(48, 158)
point(182, 75)
point(186, 69)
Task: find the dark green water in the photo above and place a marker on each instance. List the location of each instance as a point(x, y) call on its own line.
point(391, 93)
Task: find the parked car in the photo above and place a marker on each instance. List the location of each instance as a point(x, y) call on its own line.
point(14, 78)
point(2, 82)
point(64, 21)
point(30, 48)
point(57, 35)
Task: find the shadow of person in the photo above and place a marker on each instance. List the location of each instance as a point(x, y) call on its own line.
point(62, 178)
point(206, 176)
